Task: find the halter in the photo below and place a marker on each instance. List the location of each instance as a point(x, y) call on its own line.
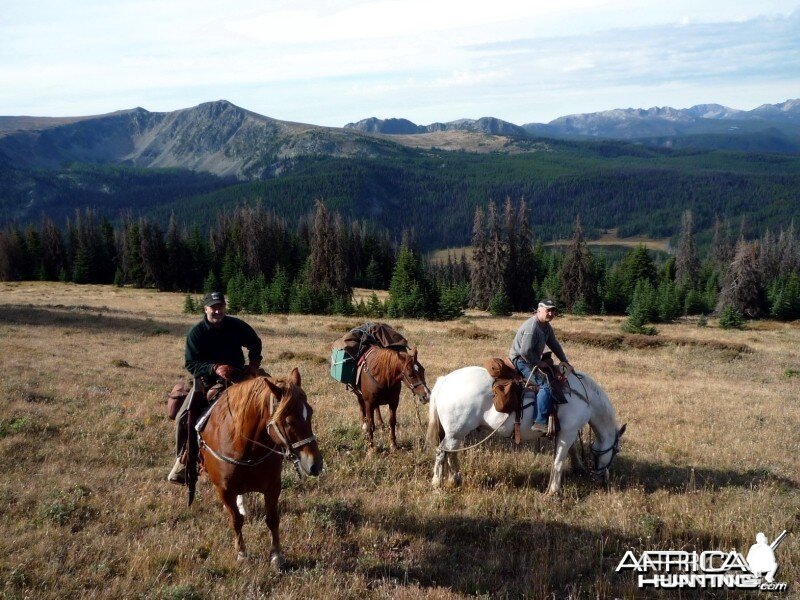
point(413, 386)
point(288, 447)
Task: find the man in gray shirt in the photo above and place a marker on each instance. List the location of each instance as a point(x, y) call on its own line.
point(526, 353)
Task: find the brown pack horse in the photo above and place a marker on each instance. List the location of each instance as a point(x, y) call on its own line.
point(250, 430)
point(383, 372)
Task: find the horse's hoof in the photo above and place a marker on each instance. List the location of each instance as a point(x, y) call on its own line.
point(457, 480)
point(277, 562)
point(436, 483)
point(242, 557)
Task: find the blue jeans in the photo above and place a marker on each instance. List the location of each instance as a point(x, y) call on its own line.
point(544, 399)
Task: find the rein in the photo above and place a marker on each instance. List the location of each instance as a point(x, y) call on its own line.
point(596, 454)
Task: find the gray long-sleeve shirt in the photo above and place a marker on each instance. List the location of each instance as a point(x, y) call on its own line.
point(531, 338)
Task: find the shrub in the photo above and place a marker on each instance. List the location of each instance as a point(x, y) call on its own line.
point(500, 304)
point(730, 318)
point(450, 303)
point(189, 305)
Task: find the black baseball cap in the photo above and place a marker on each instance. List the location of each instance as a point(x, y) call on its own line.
point(213, 298)
point(547, 304)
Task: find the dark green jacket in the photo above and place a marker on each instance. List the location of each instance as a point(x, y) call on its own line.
point(207, 345)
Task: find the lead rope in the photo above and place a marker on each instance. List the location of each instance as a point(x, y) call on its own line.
point(503, 422)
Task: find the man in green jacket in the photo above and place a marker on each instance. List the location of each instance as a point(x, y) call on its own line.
point(214, 356)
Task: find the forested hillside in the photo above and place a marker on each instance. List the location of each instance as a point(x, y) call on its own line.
point(609, 184)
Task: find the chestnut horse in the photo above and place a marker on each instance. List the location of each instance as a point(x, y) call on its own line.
point(383, 371)
point(250, 430)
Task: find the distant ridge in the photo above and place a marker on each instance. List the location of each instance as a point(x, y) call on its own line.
point(226, 140)
point(215, 137)
point(487, 125)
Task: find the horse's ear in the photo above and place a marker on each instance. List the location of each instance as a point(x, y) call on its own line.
point(276, 391)
point(294, 377)
point(414, 354)
point(622, 430)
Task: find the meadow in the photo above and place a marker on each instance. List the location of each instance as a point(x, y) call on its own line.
point(707, 462)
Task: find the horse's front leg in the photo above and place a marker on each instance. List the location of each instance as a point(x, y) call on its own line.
point(576, 461)
point(563, 443)
point(272, 519)
point(237, 520)
point(393, 424)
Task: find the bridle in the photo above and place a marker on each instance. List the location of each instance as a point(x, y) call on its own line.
point(413, 386)
point(600, 472)
point(289, 448)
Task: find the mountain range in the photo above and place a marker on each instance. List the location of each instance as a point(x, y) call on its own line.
point(631, 169)
point(223, 139)
point(768, 128)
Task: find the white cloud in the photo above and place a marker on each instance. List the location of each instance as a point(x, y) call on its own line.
point(333, 61)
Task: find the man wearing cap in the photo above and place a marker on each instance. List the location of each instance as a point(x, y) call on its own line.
point(214, 356)
point(526, 353)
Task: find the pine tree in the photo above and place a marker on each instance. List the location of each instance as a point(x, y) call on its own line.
point(154, 255)
point(276, 295)
point(500, 305)
point(189, 305)
point(577, 277)
point(211, 283)
point(132, 259)
point(643, 309)
point(328, 260)
point(235, 292)
point(497, 252)
point(410, 293)
point(82, 266)
point(53, 251)
point(721, 245)
point(480, 263)
point(687, 263)
point(669, 307)
point(743, 290)
point(526, 265)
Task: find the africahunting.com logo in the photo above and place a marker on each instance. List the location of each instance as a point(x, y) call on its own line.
point(677, 569)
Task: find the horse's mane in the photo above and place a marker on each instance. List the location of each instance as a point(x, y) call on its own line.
point(252, 397)
point(385, 361)
point(598, 395)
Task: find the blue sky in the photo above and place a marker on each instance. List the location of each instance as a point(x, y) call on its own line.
point(331, 62)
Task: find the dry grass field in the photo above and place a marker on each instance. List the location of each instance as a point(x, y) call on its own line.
point(708, 461)
point(609, 238)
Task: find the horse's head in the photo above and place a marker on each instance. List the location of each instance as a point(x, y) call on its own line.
point(290, 425)
point(602, 457)
point(414, 376)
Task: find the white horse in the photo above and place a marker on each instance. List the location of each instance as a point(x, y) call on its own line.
point(461, 402)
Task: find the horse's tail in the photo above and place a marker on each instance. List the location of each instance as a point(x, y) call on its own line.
point(435, 432)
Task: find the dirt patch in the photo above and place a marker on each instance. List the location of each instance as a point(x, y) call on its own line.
point(314, 358)
point(471, 333)
point(617, 341)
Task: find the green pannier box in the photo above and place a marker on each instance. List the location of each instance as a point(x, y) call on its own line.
point(343, 367)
